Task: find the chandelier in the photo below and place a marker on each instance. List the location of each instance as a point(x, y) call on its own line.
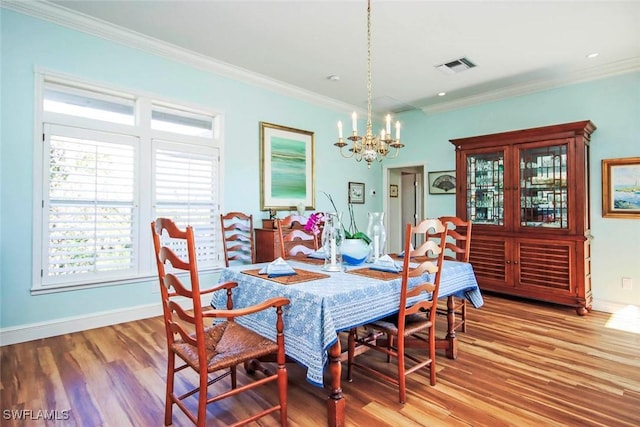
point(370, 147)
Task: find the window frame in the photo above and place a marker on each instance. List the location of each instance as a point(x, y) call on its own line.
point(144, 258)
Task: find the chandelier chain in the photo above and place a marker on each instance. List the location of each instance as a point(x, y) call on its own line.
point(369, 66)
point(370, 147)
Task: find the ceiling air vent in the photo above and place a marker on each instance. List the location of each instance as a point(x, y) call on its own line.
point(455, 66)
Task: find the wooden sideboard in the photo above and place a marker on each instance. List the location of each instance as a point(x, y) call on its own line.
point(267, 243)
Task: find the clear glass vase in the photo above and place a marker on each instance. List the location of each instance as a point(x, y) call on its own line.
point(377, 234)
point(332, 237)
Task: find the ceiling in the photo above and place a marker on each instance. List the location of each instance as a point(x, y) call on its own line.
point(517, 46)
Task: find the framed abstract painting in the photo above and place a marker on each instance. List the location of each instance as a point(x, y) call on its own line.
point(287, 172)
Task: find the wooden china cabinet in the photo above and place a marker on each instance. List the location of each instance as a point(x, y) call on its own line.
point(527, 194)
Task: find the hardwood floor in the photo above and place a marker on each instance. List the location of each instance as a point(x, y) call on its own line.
point(520, 363)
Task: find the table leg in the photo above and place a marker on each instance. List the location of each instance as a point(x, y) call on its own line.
point(452, 350)
point(336, 401)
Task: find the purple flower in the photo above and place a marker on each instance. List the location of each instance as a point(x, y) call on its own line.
point(314, 222)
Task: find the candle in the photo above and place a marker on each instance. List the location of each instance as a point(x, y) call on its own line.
point(382, 134)
point(340, 129)
point(354, 122)
point(333, 251)
point(388, 124)
point(376, 243)
point(398, 130)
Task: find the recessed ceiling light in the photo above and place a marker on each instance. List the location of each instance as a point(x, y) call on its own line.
point(592, 55)
point(442, 93)
point(333, 77)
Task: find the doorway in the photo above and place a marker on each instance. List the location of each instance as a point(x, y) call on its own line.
point(408, 206)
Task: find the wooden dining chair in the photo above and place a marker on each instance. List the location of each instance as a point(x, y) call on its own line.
point(457, 249)
point(294, 239)
point(237, 238)
point(213, 351)
point(414, 323)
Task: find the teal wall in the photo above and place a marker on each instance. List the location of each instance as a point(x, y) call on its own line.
point(612, 104)
point(28, 44)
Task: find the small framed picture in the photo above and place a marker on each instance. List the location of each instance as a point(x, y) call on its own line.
point(356, 193)
point(393, 190)
point(442, 182)
point(621, 188)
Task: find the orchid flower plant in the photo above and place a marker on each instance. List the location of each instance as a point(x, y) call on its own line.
point(316, 219)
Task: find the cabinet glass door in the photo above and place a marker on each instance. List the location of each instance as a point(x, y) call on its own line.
point(485, 188)
point(543, 187)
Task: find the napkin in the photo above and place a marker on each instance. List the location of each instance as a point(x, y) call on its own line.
point(277, 268)
point(385, 263)
point(401, 254)
point(319, 254)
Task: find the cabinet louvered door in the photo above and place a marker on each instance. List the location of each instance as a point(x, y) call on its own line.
point(545, 266)
point(489, 256)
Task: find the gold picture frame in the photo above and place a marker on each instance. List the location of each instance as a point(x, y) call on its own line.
point(287, 169)
point(621, 188)
point(393, 190)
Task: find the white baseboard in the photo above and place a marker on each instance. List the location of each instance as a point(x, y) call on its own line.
point(607, 306)
point(34, 331)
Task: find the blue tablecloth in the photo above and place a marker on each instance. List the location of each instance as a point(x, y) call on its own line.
point(319, 309)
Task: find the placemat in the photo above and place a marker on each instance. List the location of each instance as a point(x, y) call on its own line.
point(375, 274)
point(413, 258)
point(307, 260)
point(301, 276)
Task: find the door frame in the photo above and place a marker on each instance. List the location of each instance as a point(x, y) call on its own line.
point(391, 175)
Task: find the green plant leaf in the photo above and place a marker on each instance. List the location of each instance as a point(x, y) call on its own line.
point(360, 235)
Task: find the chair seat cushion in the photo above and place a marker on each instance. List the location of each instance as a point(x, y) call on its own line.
point(227, 344)
point(414, 323)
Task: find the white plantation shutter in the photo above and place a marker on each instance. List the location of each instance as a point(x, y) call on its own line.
point(186, 190)
point(89, 205)
point(108, 163)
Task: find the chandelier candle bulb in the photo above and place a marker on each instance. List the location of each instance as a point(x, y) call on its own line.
point(388, 124)
point(333, 251)
point(376, 247)
point(340, 129)
point(397, 131)
point(354, 123)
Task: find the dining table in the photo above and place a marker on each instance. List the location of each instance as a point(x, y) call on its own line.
point(323, 304)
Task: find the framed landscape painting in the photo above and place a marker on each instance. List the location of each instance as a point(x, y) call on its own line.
point(621, 188)
point(287, 174)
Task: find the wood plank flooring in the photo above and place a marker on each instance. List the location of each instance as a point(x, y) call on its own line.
point(520, 364)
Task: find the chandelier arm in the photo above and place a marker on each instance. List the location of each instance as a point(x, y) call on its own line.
point(346, 156)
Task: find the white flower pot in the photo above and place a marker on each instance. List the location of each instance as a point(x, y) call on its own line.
point(354, 251)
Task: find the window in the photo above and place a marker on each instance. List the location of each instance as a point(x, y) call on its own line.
point(104, 173)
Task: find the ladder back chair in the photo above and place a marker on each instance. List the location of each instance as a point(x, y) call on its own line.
point(416, 314)
point(457, 249)
point(212, 351)
point(294, 239)
point(237, 238)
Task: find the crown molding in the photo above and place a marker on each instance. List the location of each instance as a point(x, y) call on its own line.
point(80, 22)
point(96, 27)
point(579, 76)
